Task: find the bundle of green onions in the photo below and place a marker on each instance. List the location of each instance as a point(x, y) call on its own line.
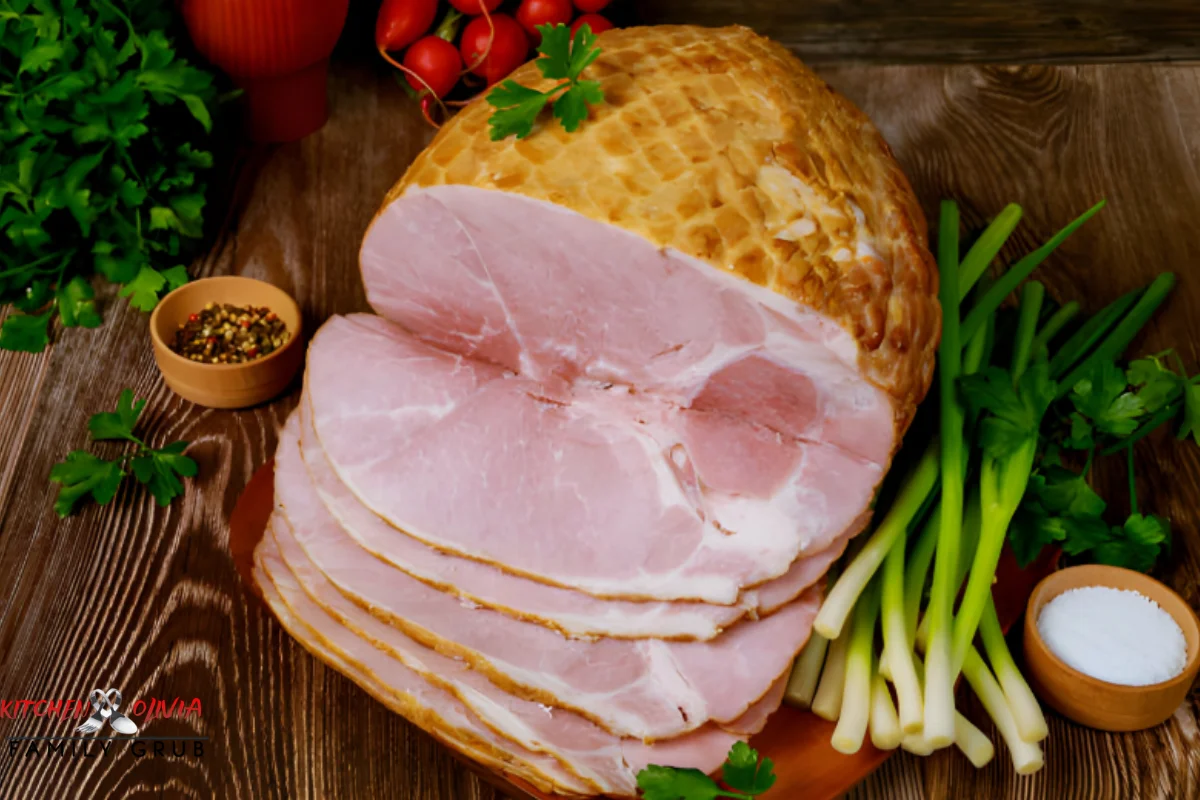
point(951, 510)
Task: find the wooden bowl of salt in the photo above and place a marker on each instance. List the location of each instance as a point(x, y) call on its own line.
point(1121, 647)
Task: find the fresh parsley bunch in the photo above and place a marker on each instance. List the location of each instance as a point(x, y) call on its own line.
point(103, 149)
point(744, 775)
point(564, 58)
point(158, 469)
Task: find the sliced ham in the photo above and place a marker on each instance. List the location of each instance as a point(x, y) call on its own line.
point(605, 761)
point(644, 688)
point(573, 613)
point(406, 693)
point(587, 486)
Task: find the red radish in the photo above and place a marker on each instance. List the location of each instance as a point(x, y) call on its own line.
point(402, 22)
point(508, 47)
point(474, 7)
point(532, 13)
point(591, 7)
point(597, 23)
point(436, 62)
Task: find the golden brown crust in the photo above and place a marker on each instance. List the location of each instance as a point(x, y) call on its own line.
point(721, 144)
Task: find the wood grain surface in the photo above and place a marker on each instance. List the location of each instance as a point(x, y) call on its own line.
point(148, 599)
point(937, 31)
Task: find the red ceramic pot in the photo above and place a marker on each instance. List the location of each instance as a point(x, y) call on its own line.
point(277, 51)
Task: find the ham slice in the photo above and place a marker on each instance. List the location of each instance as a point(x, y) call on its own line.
point(661, 502)
point(604, 761)
point(572, 613)
point(406, 693)
point(646, 688)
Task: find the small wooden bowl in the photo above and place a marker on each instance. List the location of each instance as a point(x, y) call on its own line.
point(226, 385)
point(1097, 703)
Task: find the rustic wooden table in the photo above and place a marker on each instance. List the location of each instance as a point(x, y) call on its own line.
point(147, 599)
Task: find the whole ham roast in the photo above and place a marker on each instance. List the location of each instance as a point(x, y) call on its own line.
point(566, 503)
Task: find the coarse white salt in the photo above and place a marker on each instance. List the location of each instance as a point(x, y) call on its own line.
point(1115, 635)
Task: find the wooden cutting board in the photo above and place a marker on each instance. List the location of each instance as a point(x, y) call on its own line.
point(797, 741)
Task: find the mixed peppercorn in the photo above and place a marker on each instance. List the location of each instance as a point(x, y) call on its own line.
point(228, 334)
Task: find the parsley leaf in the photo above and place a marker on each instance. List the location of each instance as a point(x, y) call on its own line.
point(1016, 412)
point(101, 123)
point(75, 304)
point(563, 58)
point(670, 783)
point(1191, 413)
point(742, 771)
point(83, 474)
point(143, 290)
point(1101, 396)
point(117, 424)
point(25, 332)
point(1058, 507)
point(159, 469)
point(1135, 545)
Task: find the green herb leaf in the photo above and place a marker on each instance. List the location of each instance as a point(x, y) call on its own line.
point(742, 770)
point(75, 304)
point(83, 474)
point(1154, 382)
point(25, 332)
point(117, 424)
point(1191, 413)
point(1136, 544)
point(1102, 397)
point(670, 783)
point(563, 58)
point(571, 109)
point(143, 290)
point(1016, 412)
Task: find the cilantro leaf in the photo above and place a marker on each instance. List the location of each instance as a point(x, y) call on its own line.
point(83, 474)
point(1101, 396)
point(670, 783)
point(75, 304)
point(117, 424)
point(143, 290)
point(742, 770)
point(25, 332)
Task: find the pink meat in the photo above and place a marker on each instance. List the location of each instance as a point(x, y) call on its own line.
point(646, 688)
point(427, 705)
point(573, 613)
point(582, 748)
point(595, 486)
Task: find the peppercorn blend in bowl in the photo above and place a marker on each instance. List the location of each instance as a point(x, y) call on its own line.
point(227, 342)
